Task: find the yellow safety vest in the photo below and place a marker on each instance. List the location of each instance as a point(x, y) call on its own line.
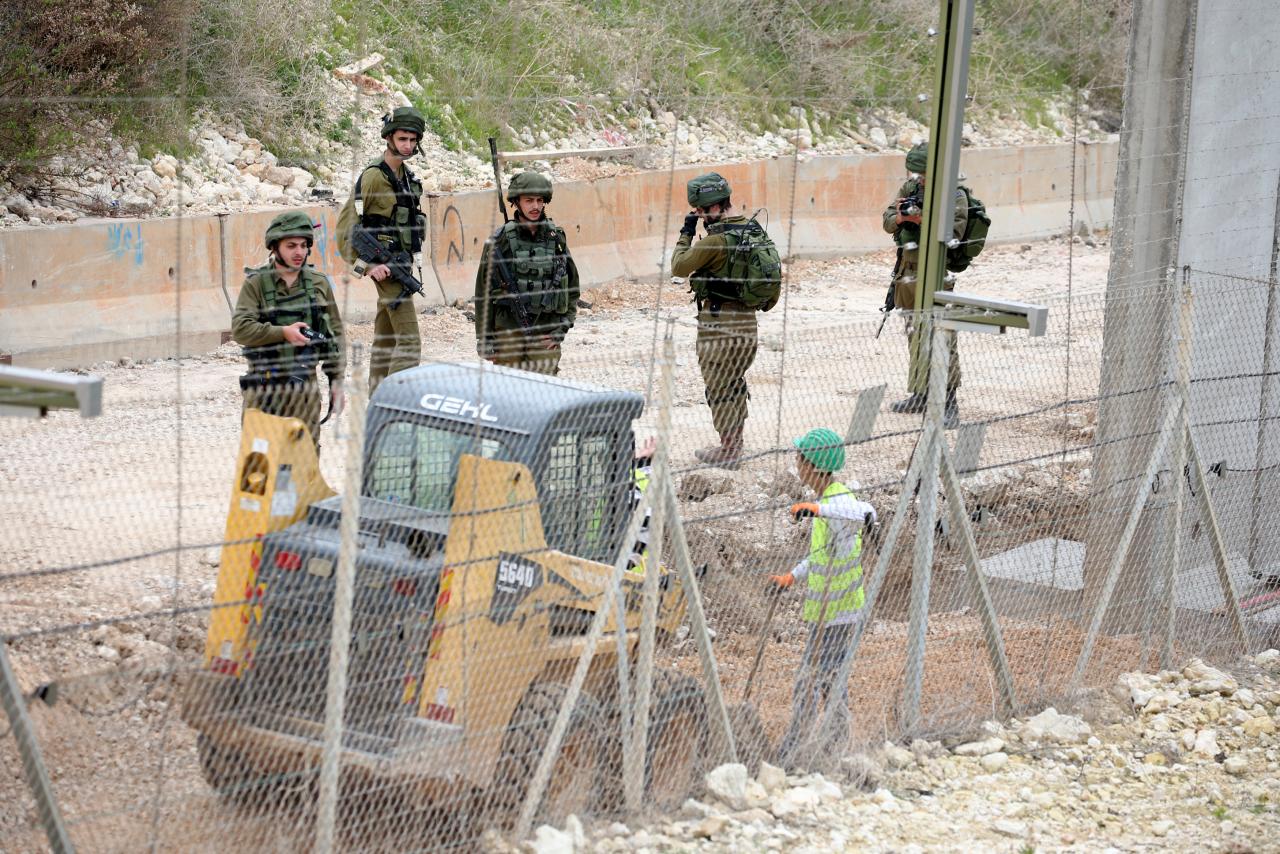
point(837, 578)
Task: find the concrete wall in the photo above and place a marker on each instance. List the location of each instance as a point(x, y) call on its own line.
point(142, 288)
point(1230, 227)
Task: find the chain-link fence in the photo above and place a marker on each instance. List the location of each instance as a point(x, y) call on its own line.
point(239, 614)
point(186, 677)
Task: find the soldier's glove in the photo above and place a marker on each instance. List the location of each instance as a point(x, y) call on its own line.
point(804, 510)
point(782, 582)
point(690, 227)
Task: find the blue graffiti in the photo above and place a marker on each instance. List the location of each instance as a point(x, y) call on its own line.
point(125, 240)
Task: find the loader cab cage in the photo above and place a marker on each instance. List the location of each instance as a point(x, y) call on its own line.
point(575, 438)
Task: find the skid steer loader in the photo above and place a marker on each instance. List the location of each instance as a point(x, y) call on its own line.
point(494, 503)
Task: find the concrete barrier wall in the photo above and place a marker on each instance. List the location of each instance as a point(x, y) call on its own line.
point(104, 289)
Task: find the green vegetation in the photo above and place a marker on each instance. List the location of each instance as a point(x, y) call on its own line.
point(485, 65)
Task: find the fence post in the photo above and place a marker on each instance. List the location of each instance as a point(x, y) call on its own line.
point(633, 784)
point(15, 706)
point(926, 519)
point(1173, 559)
point(343, 595)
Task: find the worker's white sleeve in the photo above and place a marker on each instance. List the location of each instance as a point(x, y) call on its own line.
point(801, 571)
point(845, 507)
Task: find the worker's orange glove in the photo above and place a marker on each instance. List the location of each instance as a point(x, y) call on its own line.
point(804, 510)
point(783, 581)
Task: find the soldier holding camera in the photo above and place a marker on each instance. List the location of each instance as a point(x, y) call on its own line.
point(287, 320)
point(902, 220)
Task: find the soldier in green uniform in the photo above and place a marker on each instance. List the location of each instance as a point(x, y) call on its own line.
point(287, 320)
point(727, 327)
point(388, 200)
point(527, 284)
point(902, 220)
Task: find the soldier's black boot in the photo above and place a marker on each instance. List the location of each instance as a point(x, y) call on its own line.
point(909, 405)
point(951, 412)
point(726, 455)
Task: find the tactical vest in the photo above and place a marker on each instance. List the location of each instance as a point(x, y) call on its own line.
point(712, 284)
point(284, 361)
point(835, 578)
point(408, 224)
point(539, 265)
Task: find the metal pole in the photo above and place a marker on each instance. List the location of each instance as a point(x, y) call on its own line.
point(978, 582)
point(1229, 602)
point(955, 34)
point(343, 594)
point(15, 706)
point(1172, 420)
point(698, 626)
point(1173, 560)
point(926, 518)
point(633, 786)
point(542, 774)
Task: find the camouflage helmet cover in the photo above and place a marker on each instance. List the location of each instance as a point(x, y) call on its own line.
point(707, 190)
point(290, 224)
point(529, 184)
point(918, 158)
point(403, 118)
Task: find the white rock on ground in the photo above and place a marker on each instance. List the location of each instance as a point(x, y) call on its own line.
point(1132, 785)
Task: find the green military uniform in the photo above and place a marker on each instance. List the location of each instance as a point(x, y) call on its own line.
point(390, 205)
point(904, 281)
point(534, 260)
point(282, 377)
point(727, 327)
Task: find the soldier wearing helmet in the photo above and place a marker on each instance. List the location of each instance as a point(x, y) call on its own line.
point(726, 344)
point(388, 200)
point(287, 320)
point(831, 578)
point(902, 220)
point(527, 284)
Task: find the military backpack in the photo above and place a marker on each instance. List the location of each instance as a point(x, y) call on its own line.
point(754, 265)
point(974, 239)
point(351, 212)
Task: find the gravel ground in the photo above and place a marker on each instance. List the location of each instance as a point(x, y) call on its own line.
point(1177, 761)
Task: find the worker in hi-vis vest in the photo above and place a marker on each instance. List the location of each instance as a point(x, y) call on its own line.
point(831, 578)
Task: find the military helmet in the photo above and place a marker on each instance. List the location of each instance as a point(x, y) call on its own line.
point(707, 190)
point(403, 118)
point(823, 448)
point(918, 158)
point(290, 224)
point(529, 184)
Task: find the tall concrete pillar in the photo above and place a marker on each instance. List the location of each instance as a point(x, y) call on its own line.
point(1198, 186)
point(1140, 290)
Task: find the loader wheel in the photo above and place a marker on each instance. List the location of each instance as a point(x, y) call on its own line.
point(228, 773)
point(749, 736)
point(677, 740)
point(573, 785)
point(236, 780)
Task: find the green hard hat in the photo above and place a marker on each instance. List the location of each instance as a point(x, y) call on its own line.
point(290, 224)
point(403, 118)
point(707, 190)
point(529, 184)
point(823, 448)
point(918, 158)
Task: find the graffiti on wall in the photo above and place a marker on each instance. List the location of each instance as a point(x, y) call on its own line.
point(124, 241)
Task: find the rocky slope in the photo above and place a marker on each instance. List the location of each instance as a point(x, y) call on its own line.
point(225, 169)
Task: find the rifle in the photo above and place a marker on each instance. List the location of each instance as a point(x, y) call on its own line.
point(399, 263)
point(500, 263)
point(887, 308)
